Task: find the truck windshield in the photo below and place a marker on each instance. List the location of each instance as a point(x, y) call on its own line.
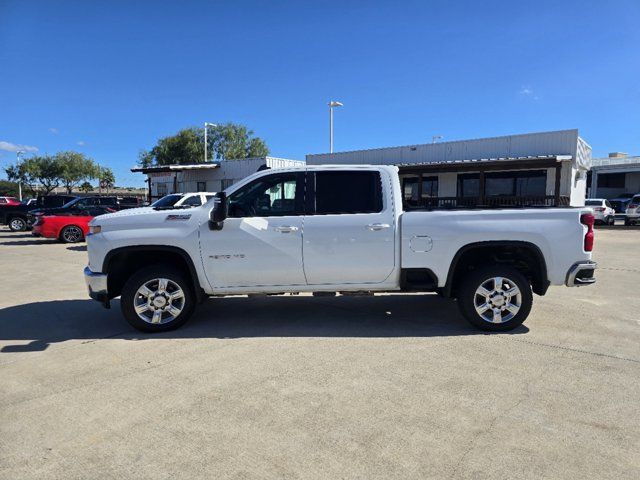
point(167, 201)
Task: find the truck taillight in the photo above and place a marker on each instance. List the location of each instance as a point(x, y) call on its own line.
point(588, 220)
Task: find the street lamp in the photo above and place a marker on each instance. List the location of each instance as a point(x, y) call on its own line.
point(435, 138)
point(332, 104)
point(206, 126)
point(19, 154)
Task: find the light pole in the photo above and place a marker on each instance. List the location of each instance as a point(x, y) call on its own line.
point(206, 127)
point(332, 104)
point(435, 138)
point(18, 155)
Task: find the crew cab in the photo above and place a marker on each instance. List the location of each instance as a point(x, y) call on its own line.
point(333, 229)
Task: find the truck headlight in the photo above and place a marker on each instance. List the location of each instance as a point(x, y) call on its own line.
point(93, 229)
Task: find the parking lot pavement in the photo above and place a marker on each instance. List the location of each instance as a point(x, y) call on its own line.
point(391, 386)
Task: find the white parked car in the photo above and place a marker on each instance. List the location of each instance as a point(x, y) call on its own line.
point(174, 200)
point(603, 212)
point(633, 211)
point(333, 229)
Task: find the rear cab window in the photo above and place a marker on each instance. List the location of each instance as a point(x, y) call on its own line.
point(343, 192)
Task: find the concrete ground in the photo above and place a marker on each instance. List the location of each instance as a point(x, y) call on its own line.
point(393, 386)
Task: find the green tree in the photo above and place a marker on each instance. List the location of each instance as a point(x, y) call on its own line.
point(86, 187)
point(8, 188)
point(44, 170)
point(106, 177)
point(232, 141)
point(225, 142)
point(75, 167)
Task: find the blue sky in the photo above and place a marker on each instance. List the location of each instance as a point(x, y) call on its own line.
point(110, 78)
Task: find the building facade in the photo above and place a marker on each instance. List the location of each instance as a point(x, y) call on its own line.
point(615, 175)
point(206, 177)
point(537, 169)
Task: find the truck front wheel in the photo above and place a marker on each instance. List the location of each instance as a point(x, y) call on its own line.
point(495, 298)
point(157, 299)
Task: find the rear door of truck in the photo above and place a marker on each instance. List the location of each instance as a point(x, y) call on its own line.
point(349, 228)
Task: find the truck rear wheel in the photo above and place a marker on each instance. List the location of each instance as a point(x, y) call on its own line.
point(157, 299)
point(495, 298)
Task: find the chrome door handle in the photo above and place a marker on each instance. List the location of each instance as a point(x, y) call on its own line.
point(378, 226)
point(286, 229)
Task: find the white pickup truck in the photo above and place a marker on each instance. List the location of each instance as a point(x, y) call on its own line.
point(333, 229)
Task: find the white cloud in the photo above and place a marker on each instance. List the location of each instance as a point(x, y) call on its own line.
point(527, 91)
point(54, 130)
point(81, 143)
point(14, 147)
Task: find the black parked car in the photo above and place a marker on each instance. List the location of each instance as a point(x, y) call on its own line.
point(17, 216)
point(82, 203)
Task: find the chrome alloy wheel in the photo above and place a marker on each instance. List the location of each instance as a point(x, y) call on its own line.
point(17, 224)
point(497, 300)
point(72, 234)
point(159, 301)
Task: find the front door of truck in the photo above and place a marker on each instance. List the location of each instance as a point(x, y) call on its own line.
point(260, 243)
point(349, 228)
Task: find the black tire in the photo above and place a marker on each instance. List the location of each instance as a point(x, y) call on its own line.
point(17, 224)
point(467, 297)
point(627, 222)
point(144, 276)
point(71, 234)
point(612, 220)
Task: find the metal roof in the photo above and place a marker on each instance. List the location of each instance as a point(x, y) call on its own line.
point(176, 168)
point(558, 158)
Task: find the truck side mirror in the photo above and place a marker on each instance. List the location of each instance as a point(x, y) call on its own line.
point(219, 212)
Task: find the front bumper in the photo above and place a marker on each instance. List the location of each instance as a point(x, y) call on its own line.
point(97, 285)
point(581, 273)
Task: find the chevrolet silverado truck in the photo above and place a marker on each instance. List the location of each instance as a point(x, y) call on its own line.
point(333, 229)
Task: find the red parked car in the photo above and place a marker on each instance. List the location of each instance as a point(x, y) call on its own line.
point(69, 228)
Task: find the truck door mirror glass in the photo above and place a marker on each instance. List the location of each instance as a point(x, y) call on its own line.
point(218, 212)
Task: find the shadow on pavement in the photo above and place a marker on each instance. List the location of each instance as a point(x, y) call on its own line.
point(78, 248)
point(44, 323)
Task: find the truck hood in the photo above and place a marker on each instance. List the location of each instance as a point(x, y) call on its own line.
point(138, 217)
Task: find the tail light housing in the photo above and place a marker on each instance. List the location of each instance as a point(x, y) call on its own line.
point(633, 205)
point(599, 209)
point(588, 220)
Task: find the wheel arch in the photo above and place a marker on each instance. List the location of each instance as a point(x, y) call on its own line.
point(537, 273)
point(120, 263)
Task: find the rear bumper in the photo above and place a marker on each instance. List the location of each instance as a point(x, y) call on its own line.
point(97, 286)
point(581, 274)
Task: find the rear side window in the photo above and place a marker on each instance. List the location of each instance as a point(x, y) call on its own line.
point(193, 201)
point(345, 192)
point(593, 203)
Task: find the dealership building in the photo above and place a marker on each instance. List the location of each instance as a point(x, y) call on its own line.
point(535, 169)
point(615, 175)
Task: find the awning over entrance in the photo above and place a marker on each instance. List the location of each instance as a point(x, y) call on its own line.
point(486, 164)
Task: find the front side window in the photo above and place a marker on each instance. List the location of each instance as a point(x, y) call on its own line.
point(270, 196)
point(347, 192)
